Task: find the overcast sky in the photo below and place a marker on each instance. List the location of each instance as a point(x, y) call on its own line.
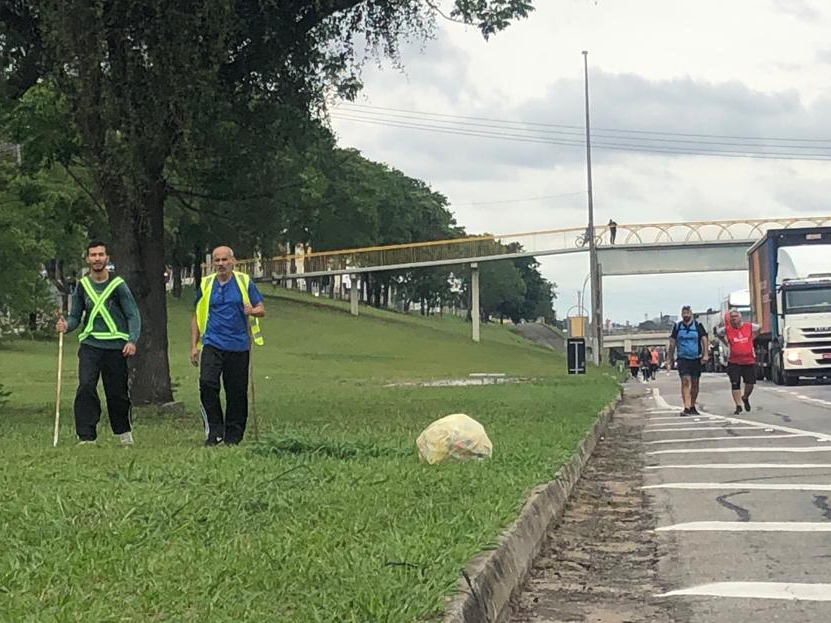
point(755, 68)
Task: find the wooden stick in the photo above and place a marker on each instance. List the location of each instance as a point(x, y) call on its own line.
point(252, 402)
point(58, 391)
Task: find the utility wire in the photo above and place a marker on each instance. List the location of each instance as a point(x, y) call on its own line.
point(581, 128)
point(617, 146)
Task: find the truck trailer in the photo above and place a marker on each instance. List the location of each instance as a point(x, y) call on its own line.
point(790, 298)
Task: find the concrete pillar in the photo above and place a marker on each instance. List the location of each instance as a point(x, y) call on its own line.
point(474, 299)
point(354, 284)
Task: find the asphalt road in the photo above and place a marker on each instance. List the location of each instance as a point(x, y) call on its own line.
point(702, 519)
point(741, 503)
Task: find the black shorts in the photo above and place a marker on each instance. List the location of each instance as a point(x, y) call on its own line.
point(738, 372)
point(689, 367)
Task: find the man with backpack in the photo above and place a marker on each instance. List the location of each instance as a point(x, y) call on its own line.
point(689, 340)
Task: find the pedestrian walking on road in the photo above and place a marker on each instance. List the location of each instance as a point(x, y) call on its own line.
point(228, 306)
point(654, 362)
point(741, 363)
point(105, 307)
point(645, 361)
point(612, 231)
point(634, 364)
point(689, 340)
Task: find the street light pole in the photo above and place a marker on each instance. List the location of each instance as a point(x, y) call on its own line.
point(597, 312)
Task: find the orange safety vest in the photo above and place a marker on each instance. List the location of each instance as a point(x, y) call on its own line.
point(633, 361)
point(655, 357)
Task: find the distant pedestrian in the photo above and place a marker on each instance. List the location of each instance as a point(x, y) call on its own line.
point(645, 361)
point(689, 339)
point(634, 364)
point(654, 361)
point(741, 363)
point(105, 307)
point(612, 231)
point(228, 306)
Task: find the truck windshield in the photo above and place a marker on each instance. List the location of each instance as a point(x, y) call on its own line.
point(808, 301)
point(744, 311)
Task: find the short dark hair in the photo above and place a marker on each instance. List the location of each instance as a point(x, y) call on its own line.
point(95, 243)
point(686, 307)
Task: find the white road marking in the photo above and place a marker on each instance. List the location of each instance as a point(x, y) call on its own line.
point(749, 526)
point(744, 466)
point(712, 429)
point(751, 486)
point(783, 429)
point(668, 417)
point(739, 449)
point(726, 438)
point(758, 590)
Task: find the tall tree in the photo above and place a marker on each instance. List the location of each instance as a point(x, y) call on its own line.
point(147, 81)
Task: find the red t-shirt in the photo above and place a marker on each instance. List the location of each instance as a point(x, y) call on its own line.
point(741, 344)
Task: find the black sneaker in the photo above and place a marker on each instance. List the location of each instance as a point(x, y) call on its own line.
point(738, 410)
point(746, 402)
point(212, 441)
point(694, 411)
point(685, 412)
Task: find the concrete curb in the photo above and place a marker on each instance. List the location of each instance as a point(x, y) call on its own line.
point(492, 578)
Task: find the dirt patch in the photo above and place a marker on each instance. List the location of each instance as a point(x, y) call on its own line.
point(600, 562)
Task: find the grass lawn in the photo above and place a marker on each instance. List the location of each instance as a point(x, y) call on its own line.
point(330, 518)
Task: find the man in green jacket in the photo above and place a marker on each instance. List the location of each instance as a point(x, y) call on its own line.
point(110, 329)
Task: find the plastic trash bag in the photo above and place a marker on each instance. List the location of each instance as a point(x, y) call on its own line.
point(456, 436)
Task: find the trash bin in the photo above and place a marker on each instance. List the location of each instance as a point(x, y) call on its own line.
point(576, 355)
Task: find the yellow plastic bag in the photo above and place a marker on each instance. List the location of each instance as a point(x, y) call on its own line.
point(456, 436)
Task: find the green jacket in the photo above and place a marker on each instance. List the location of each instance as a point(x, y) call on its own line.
point(122, 307)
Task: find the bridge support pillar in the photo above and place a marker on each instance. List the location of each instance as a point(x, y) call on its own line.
point(354, 284)
point(474, 299)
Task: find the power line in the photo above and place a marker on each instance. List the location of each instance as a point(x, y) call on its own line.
point(619, 146)
point(504, 201)
point(577, 127)
point(568, 133)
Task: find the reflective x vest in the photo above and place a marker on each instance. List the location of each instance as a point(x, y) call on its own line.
point(741, 344)
point(204, 305)
point(99, 308)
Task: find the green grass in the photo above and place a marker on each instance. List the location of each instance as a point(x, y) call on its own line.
point(330, 518)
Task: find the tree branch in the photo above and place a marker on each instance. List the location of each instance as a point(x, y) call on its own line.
point(83, 186)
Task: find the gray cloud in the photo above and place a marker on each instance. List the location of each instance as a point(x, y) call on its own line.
point(824, 56)
point(800, 9)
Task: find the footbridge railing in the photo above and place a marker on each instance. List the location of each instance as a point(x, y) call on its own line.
point(491, 247)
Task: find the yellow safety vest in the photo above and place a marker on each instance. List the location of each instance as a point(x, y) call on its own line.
point(99, 308)
point(204, 304)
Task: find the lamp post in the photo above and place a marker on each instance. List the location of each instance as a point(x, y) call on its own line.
point(594, 272)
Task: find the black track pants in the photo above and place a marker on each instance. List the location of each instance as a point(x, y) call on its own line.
point(232, 367)
point(111, 366)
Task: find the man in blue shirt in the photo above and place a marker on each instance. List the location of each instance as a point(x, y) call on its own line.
point(689, 338)
point(225, 303)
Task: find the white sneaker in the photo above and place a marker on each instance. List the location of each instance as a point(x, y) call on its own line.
point(86, 442)
point(126, 438)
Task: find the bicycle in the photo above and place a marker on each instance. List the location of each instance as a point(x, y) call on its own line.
point(583, 239)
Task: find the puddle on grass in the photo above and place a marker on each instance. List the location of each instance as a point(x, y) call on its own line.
point(477, 378)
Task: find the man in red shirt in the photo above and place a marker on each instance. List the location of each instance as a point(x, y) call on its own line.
point(741, 364)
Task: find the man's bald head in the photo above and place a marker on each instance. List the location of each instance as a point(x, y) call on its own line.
point(223, 261)
point(223, 250)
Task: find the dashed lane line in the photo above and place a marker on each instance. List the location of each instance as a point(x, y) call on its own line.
point(748, 526)
point(742, 466)
point(757, 590)
point(754, 486)
point(726, 438)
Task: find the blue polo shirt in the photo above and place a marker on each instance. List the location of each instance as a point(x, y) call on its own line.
point(227, 325)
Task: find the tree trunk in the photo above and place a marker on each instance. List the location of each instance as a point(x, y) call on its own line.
point(197, 267)
point(176, 291)
point(137, 226)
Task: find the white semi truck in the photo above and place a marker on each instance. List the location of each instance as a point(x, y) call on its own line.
point(790, 298)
